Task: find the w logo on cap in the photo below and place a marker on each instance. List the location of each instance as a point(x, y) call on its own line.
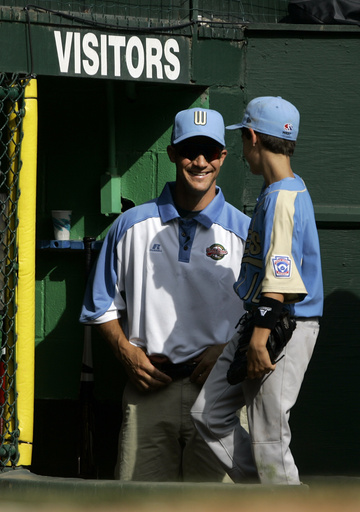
point(200, 117)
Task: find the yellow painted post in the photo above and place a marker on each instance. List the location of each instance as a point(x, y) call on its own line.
point(25, 297)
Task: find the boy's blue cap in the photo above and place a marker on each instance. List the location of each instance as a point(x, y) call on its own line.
point(272, 116)
point(196, 122)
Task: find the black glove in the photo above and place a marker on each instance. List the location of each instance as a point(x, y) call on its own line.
point(277, 340)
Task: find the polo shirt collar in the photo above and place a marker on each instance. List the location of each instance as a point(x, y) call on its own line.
point(206, 217)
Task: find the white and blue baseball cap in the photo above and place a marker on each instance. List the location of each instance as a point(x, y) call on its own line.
point(196, 122)
point(271, 115)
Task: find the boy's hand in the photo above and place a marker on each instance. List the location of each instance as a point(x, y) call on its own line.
point(258, 359)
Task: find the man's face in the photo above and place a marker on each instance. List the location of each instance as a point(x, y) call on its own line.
point(198, 161)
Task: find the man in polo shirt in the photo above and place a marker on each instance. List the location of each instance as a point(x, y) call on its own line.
point(162, 297)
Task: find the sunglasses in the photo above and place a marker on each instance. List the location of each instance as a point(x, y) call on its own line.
point(191, 151)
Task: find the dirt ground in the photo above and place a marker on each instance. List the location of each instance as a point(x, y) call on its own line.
point(319, 498)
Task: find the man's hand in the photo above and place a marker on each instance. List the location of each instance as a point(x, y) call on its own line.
point(258, 359)
point(206, 360)
point(134, 360)
point(141, 371)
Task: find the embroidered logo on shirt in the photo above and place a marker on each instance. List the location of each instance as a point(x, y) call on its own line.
point(216, 252)
point(282, 266)
point(156, 248)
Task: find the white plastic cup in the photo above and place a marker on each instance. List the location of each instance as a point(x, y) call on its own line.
point(62, 224)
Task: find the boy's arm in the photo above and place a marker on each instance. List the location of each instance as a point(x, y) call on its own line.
point(258, 358)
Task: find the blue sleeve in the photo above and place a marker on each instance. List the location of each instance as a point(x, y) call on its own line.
point(100, 290)
point(101, 286)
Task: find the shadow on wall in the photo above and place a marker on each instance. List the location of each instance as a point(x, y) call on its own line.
point(61, 275)
point(325, 420)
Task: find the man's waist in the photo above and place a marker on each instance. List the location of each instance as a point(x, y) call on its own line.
point(175, 371)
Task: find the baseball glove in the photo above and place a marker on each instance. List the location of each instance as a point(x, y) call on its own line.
point(277, 340)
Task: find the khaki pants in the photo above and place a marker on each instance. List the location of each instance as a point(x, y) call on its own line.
point(158, 441)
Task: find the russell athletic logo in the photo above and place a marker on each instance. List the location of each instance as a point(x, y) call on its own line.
point(156, 248)
point(216, 252)
point(200, 117)
point(282, 266)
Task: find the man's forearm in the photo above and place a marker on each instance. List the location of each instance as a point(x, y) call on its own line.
point(113, 334)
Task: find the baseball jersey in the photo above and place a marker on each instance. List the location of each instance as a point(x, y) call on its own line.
point(282, 253)
point(169, 278)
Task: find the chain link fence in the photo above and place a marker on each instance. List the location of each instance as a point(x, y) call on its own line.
point(236, 11)
point(11, 115)
point(157, 13)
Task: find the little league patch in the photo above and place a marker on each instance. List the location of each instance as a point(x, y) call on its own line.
point(282, 266)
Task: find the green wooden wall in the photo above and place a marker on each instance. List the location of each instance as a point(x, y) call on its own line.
point(319, 73)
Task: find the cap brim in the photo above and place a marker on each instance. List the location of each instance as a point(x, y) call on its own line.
point(209, 135)
point(234, 126)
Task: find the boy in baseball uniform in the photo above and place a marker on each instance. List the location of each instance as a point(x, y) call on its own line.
point(281, 267)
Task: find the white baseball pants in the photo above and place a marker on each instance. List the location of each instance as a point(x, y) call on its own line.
point(265, 454)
